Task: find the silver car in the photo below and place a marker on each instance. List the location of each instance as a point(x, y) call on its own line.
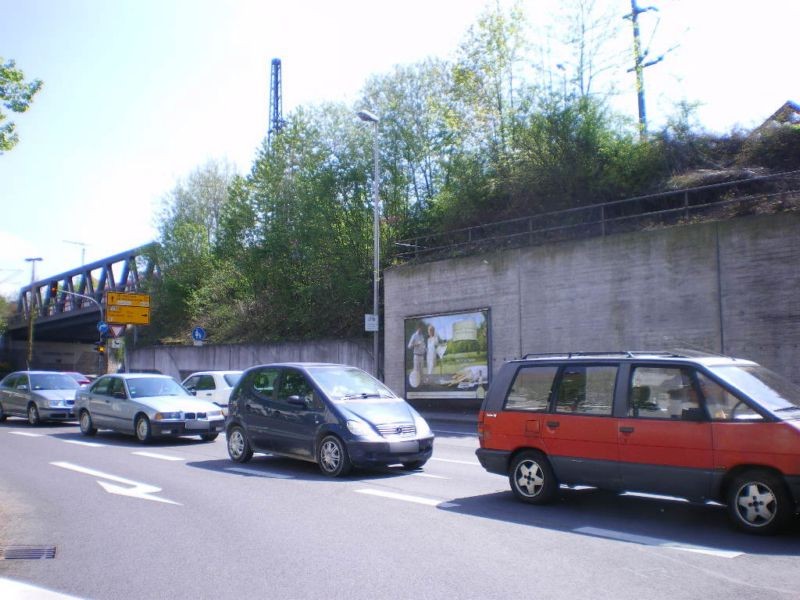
point(38, 396)
point(146, 405)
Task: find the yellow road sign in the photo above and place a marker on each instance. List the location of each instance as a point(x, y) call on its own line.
point(128, 309)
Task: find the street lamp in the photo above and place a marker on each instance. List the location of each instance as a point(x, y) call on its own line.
point(31, 304)
point(368, 117)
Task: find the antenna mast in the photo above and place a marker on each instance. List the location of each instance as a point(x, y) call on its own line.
point(276, 121)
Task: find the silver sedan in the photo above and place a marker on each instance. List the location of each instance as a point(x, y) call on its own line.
point(38, 396)
point(146, 405)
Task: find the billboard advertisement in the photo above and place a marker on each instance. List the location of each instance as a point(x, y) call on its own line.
point(447, 355)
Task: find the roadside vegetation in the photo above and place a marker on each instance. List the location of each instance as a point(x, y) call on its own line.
point(285, 252)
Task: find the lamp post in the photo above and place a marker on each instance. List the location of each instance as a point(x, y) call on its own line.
point(368, 117)
point(31, 306)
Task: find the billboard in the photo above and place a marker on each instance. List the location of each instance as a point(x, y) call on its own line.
point(447, 355)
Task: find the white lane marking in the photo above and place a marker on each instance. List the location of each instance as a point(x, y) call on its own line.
point(80, 443)
point(651, 541)
point(474, 463)
point(26, 434)
point(11, 589)
point(138, 490)
point(159, 456)
point(428, 475)
point(460, 433)
point(407, 498)
point(258, 473)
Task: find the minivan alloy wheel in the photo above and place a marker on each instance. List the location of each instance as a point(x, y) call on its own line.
point(532, 479)
point(758, 502)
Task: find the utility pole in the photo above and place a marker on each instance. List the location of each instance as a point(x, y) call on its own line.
point(31, 308)
point(639, 63)
point(83, 249)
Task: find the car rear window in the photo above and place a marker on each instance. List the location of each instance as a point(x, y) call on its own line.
point(531, 388)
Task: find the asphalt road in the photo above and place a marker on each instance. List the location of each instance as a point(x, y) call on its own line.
point(178, 519)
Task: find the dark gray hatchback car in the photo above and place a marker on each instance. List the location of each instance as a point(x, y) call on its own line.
point(334, 415)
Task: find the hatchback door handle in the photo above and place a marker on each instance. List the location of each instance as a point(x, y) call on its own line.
point(626, 429)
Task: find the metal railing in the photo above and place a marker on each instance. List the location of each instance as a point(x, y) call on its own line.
point(769, 193)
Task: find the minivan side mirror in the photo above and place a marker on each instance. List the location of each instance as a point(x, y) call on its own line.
point(693, 414)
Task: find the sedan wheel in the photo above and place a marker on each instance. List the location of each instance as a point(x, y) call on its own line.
point(143, 431)
point(33, 414)
point(238, 447)
point(532, 479)
point(759, 503)
point(208, 437)
point(87, 427)
point(332, 457)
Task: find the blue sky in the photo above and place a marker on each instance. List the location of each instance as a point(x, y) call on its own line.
point(138, 93)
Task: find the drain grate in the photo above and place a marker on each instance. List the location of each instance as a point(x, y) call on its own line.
point(27, 552)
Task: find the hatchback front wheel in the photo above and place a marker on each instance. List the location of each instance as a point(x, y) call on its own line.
point(238, 447)
point(332, 457)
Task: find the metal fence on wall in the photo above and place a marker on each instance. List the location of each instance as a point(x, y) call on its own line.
point(764, 194)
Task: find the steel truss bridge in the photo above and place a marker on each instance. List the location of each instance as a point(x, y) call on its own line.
point(67, 307)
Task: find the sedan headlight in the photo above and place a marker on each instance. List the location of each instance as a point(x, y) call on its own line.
point(166, 416)
point(361, 429)
point(214, 413)
point(57, 403)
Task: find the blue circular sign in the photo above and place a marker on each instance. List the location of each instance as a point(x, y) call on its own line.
point(102, 327)
point(198, 334)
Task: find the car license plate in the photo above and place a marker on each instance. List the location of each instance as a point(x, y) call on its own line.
point(407, 447)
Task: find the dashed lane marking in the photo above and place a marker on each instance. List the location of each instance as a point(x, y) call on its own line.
point(258, 473)
point(158, 456)
point(657, 542)
point(80, 443)
point(408, 498)
point(474, 463)
point(26, 434)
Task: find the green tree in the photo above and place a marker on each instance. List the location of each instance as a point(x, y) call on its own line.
point(16, 95)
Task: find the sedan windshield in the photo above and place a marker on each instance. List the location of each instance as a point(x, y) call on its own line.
point(772, 391)
point(148, 387)
point(348, 384)
point(52, 381)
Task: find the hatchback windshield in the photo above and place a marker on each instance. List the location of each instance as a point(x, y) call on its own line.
point(52, 381)
point(350, 385)
point(147, 387)
point(772, 391)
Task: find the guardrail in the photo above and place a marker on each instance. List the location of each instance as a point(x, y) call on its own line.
point(769, 193)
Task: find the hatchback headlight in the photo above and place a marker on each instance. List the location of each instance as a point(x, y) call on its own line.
point(166, 416)
point(423, 429)
point(361, 429)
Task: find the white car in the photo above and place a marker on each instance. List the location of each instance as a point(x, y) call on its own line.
point(146, 406)
point(214, 386)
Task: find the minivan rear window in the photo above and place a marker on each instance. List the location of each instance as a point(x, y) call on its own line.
point(531, 388)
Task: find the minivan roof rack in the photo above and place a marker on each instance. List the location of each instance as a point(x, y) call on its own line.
point(619, 353)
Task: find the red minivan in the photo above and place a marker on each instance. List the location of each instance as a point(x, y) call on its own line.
point(700, 427)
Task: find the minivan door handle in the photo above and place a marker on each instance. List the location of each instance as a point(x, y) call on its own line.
point(626, 429)
point(553, 424)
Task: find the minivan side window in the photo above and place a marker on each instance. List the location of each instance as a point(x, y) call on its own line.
point(531, 388)
point(263, 383)
point(587, 390)
point(722, 405)
point(663, 393)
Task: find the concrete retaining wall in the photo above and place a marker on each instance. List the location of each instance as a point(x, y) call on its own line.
point(731, 287)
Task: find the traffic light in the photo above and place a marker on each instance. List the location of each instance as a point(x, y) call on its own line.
point(53, 289)
point(100, 347)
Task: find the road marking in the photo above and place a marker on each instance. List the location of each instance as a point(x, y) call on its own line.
point(80, 443)
point(138, 490)
point(651, 541)
point(258, 473)
point(428, 475)
point(407, 498)
point(460, 433)
point(26, 434)
point(474, 463)
point(159, 456)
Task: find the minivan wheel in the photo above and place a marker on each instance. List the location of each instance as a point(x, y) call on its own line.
point(759, 503)
point(332, 457)
point(532, 479)
point(87, 427)
point(33, 414)
point(238, 447)
point(143, 431)
point(2, 414)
